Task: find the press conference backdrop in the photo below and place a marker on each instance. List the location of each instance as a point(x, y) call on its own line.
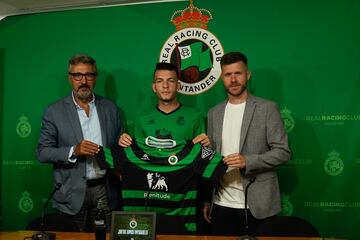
point(304, 55)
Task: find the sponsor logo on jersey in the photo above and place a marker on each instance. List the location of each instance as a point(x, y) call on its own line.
point(156, 181)
point(205, 152)
point(159, 143)
point(163, 133)
point(145, 157)
point(194, 50)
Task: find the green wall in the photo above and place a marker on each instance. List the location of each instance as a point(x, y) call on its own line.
point(303, 54)
point(2, 71)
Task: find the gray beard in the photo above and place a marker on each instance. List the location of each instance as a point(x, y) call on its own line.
point(83, 95)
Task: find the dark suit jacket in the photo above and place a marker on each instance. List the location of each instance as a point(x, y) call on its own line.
point(264, 144)
point(60, 131)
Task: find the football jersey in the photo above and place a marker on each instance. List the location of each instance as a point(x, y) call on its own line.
point(180, 125)
point(165, 185)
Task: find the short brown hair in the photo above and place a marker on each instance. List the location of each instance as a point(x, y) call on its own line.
point(166, 66)
point(82, 58)
point(233, 57)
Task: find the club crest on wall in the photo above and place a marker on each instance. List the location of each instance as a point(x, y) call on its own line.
point(194, 50)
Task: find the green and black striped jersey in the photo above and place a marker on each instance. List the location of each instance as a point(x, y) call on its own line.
point(167, 185)
point(180, 125)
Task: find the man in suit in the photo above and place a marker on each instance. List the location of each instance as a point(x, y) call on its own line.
point(249, 132)
point(72, 130)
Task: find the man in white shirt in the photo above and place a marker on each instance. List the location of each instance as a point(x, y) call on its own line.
point(250, 133)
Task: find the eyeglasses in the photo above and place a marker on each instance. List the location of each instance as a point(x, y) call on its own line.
point(90, 76)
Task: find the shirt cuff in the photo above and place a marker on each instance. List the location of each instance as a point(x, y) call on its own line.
point(72, 158)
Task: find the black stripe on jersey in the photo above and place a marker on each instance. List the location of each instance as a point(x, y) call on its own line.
point(157, 203)
point(175, 110)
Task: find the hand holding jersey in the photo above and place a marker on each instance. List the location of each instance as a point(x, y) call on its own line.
point(203, 139)
point(125, 140)
point(172, 174)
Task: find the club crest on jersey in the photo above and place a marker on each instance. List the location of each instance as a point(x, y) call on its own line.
point(173, 159)
point(194, 50)
point(156, 181)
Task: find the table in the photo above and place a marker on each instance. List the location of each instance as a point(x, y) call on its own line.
point(20, 235)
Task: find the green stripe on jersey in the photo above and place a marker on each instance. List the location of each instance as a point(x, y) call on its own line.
point(212, 166)
point(191, 227)
point(188, 211)
point(108, 157)
point(158, 195)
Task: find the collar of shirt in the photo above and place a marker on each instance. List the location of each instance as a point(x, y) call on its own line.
point(91, 130)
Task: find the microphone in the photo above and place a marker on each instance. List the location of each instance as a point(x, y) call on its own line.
point(42, 235)
point(246, 230)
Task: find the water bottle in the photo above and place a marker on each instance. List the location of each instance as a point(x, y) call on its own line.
point(100, 223)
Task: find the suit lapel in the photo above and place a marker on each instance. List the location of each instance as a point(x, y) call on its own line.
point(220, 120)
point(248, 115)
point(73, 118)
point(101, 114)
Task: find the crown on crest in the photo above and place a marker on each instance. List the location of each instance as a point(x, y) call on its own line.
point(191, 17)
point(334, 153)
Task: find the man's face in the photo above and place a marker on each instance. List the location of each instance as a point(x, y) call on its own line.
point(165, 85)
point(235, 77)
point(82, 78)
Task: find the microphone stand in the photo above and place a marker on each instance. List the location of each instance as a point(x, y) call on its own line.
point(246, 231)
point(42, 235)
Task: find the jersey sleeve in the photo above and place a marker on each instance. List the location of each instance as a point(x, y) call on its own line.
point(139, 130)
point(209, 164)
point(199, 126)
